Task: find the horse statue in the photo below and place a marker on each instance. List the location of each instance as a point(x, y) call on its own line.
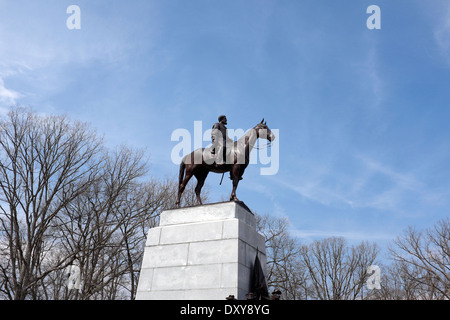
point(200, 162)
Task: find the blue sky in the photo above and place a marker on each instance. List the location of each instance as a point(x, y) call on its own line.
point(363, 114)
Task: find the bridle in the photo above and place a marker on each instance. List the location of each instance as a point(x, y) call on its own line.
point(268, 144)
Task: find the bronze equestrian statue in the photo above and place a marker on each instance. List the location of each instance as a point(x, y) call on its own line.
point(203, 160)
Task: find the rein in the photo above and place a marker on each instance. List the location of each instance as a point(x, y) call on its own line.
point(268, 145)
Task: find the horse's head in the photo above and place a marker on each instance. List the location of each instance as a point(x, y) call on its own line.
point(263, 131)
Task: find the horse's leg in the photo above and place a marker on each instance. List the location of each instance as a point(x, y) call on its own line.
point(235, 177)
point(183, 185)
point(201, 177)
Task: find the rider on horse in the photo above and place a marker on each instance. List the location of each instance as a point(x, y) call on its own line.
point(220, 139)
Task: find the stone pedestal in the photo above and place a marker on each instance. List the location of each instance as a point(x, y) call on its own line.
point(201, 253)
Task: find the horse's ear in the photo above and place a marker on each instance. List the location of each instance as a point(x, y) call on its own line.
point(262, 120)
point(264, 123)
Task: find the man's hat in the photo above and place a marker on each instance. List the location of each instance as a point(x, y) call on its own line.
point(221, 117)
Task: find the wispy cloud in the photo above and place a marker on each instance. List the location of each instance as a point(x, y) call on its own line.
point(310, 235)
point(372, 184)
point(42, 58)
point(442, 33)
point(7, 96)
point(391, 193)
point(313, 188)
point(373, 79)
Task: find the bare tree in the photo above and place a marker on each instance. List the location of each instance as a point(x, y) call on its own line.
point(422, 260)
point(66, 202)
point(45, 163)
point(395, 284)
point(97, 227)
point(337, 271)
point(284, 270)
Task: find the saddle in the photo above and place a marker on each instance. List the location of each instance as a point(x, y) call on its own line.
point(210, 158)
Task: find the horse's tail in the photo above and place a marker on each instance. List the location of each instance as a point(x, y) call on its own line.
point(181, 175)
